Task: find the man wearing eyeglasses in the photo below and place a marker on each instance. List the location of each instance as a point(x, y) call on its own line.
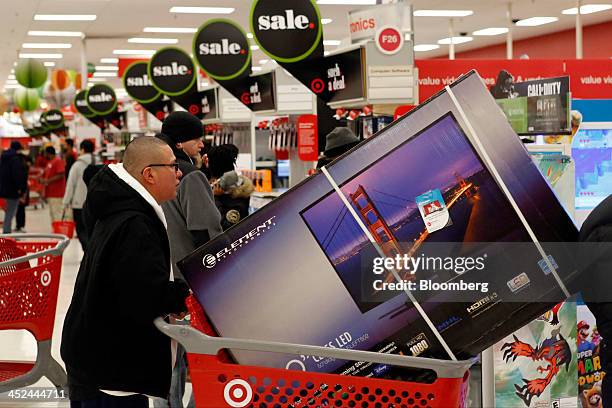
point(114, 355)
point(193, 217)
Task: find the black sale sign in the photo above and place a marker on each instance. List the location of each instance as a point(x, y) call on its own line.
point(172, 71)
point(101, 99)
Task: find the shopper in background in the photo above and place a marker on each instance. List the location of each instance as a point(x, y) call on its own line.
point(70, 155)
point(13, 182)
point(232, 190)
point(114, 354)
point(193, 218)
point(20, 217)
point(337, 142)
point(55, 184)
point(76, 190)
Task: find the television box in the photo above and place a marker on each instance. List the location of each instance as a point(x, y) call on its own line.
point(450, 179)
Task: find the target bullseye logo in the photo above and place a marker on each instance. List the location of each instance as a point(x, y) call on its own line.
point(246, 98)
point(317, 85)
point(209, 261)
point(238, 393)
point(193, 109)
point(45, 278)
point(160, 115)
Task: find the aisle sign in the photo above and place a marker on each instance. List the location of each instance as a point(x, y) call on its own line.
point(308, 138)
point(364, 24)
point(202, 104)
point(389, 40)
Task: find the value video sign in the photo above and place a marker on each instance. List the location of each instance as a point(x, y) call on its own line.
point(288, 31)
point(222, 49)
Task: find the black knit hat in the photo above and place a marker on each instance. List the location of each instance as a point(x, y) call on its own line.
point(181, 126)
point(339, 141)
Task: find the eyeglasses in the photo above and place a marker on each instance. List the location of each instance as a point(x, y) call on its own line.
point(175, 165)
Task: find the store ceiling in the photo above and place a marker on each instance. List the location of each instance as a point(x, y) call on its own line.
point(118, 20)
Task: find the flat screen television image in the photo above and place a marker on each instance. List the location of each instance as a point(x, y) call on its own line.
point(385, 195)
point(592, 152)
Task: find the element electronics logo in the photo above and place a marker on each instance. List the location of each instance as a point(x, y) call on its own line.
point(209, 260)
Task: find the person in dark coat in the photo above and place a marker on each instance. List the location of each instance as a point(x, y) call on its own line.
point(337, 142)
point(232, 190)
point(596, 259)
point(13, 182)
point(114, 354)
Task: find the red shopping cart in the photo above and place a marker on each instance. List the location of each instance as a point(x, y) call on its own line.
point(30, 266)
point(218, 384)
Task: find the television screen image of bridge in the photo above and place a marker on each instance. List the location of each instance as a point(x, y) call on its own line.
point(383, 197)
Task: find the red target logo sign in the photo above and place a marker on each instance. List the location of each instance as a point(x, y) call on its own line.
point(389, 40)
point(45, 278)
point(194, 109)
point(160, 115)
point(317, 85)
point(238, 393)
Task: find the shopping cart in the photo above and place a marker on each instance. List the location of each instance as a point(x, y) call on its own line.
point(30, 266)
point(217, 384)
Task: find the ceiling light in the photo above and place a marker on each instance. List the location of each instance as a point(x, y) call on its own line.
point(153, 40)
point(426, 47)
point(55, 33)
point(11, 86)
point(104, 74)
point(64, 17)
point(254, 47)
point(11, 76)
point(491, 31)
point(250, 35)
point(263, 61)
point(37, 55)
point(46, 45)
point(134, 52)
point(202, 10)
point(443, 13)
point(536, 21)
point(49, 64)
point(256, 69)
point(588, 9)
point(11, 81)
point(331, 42)
point(456, 40)
point(348, 2)
point(107, 68)
point(109, 60)
point(13, 70)
point(326, 21)
point(97, 79)
point(184, 30)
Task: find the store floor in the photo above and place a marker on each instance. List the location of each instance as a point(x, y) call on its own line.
point(20, 345)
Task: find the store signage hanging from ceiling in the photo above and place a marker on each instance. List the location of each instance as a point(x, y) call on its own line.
point(81, 106)
point(222, 49)
point(288, 31)
point(54, 119)
point(389, 40)
point(101, 99)
point(140, 88)
point(364, 24)
point(199, 103)
point(172, 71)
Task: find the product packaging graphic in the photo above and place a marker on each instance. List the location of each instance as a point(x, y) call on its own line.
point(346, 259)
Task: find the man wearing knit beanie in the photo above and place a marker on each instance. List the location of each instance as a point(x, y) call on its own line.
point(193, 218)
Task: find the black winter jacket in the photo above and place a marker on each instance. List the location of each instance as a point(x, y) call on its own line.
point(596, 254)
point(109, 341)
point(13, 175)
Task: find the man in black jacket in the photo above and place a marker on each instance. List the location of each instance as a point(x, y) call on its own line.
point(13, 182)
point(596, 253)
point(114, 354)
